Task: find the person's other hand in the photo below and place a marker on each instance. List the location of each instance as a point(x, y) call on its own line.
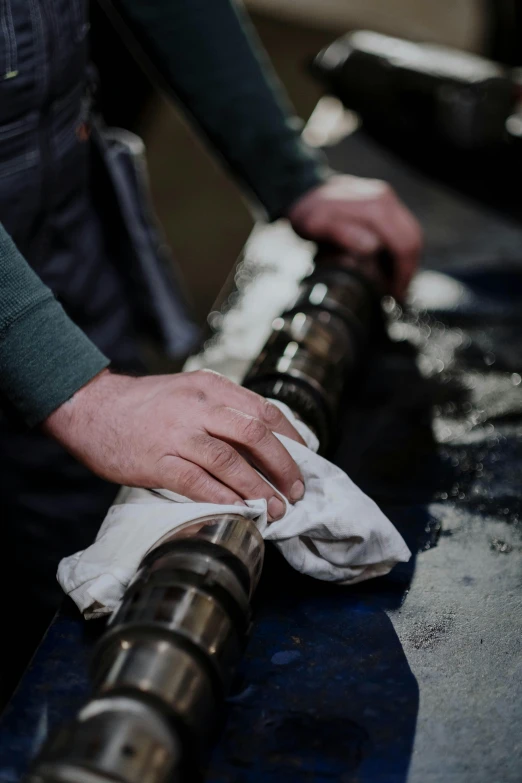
point(194, 433)
point(362, 216)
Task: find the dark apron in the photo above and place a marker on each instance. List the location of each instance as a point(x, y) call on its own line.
point(73, 199)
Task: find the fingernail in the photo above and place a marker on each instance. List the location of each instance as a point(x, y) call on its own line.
point(239, 503)
point(297, 491)
point(276, 509)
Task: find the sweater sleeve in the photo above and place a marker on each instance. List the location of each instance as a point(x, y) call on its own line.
point(44, 357)
point(209, 56)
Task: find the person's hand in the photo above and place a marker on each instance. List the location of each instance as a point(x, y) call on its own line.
point(193, 433)
point(362, 216)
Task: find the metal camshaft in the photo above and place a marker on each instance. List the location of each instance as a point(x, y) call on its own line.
point(163, 667)
point(318, 345)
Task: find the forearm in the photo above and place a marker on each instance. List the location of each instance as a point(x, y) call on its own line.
point(44, 357)
point(211, 60)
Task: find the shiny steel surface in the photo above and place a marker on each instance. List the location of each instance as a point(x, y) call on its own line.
point(169, 612)
point(172, 645)
point(119, 739)
point(237, 535)
point(180, 682)
point(319, 342)
point(331, 289)
point(312, 348)
point(173, 566)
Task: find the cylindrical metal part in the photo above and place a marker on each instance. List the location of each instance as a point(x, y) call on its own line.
point(170, 651)
point(177, 682)
point(111, 739)
point(196, 565)
point(317, 345)
point(179, 630)
point(171, 615)
point(233, 533)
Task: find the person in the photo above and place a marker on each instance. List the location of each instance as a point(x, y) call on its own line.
point(79, 415)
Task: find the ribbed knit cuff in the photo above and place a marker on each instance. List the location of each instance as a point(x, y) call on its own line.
point(44, 359)
point(297, 180)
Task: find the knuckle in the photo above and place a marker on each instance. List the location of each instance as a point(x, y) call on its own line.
point(206, 378)
point(222, 456)
point(254, 431)
point(386, 190)
point(213, 377)
point(261, 489)
point(163, 470)
point(224, 497)
point(271, 414)
point(386, 196)
point(190, 479)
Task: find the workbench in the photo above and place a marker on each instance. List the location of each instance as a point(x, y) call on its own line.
point(412, 677)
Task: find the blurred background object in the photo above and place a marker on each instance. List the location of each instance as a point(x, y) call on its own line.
point(454, 22)
point(189, 188)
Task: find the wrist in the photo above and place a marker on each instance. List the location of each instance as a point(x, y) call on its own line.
point(63, 421)
point(293, 211)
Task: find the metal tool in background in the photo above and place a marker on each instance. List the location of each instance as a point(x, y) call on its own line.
point(429, 93)
point(164, 665)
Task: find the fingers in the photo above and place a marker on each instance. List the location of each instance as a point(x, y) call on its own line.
point(355, 238)
point(262, 448)
point(236, 428)
point(190, 480)
point(224, 463)
point(362, 216)
point(400, 233)
point(219, 389)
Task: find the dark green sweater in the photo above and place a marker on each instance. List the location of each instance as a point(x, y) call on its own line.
point(208, 57)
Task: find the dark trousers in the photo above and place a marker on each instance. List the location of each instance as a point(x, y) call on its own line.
point(51, 506)
point(75, 205)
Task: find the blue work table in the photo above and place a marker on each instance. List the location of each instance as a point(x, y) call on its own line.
point(416, 676)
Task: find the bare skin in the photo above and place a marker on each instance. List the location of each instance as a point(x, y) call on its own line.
point(362, 216)
point(193, 433)
point(198, 434)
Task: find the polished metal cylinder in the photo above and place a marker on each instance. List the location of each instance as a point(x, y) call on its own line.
point(309, 350)
point(179, 683)
point(234, 533)
point(318, 344)
point(112, 739)
point(166, 616)
point(165, 663)
point(179, 630)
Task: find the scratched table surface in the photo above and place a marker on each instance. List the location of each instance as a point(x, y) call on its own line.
point(416, 676)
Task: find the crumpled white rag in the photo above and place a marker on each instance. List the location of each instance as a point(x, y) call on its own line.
point(335, 533)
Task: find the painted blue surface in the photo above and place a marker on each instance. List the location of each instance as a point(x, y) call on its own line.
point(331, 684)
point(318, 657)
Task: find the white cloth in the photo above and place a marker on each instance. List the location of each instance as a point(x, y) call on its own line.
point(335, 533)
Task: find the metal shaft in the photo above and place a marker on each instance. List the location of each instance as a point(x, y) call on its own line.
point(317, 346)
point(161, 670)
point(165, 663)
